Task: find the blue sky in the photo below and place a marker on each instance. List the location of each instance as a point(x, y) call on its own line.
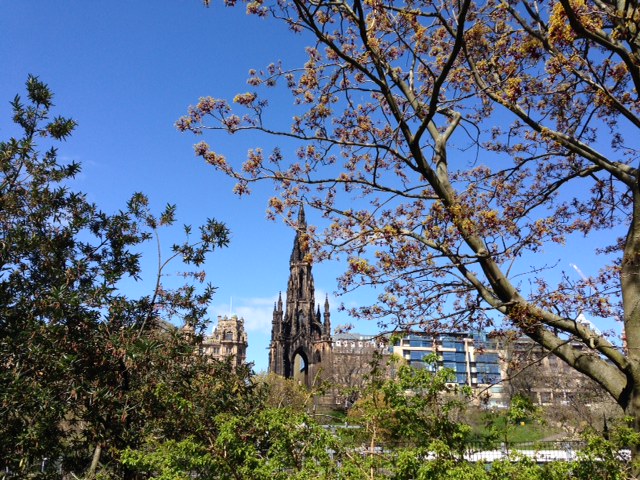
point(126, 71)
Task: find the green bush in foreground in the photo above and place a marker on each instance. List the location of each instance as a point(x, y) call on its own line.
point(84, 366)
point(407, 431)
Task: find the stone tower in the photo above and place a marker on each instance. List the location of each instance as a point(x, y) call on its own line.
point(300, 339)
point(229, 339)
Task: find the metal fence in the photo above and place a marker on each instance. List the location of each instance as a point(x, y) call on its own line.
point(540, 452)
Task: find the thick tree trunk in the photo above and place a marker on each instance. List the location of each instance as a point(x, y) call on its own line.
point(630, 282)
point(633, 412)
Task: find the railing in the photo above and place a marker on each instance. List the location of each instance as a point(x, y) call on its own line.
point(540, 452)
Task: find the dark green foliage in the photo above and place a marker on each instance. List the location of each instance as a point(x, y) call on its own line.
point(84, 368)
point(408, 432)
point(269, 443)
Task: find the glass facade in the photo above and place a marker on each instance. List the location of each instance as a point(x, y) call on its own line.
point(417, 355)
point(420, 342)
point(488, 366)
point(448, 342)
point(469, 356)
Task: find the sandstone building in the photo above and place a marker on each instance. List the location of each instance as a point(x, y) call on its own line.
point(229, 339)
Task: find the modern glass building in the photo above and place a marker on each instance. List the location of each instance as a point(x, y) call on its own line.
point(475, 360)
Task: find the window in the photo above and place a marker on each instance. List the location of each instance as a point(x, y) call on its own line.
point(451, 366)
point(448, 342)
point(421, 342)
point(488, 366)
point(419, 365)
point(418, 355)
point(228, 336)
point(449, 356)
point(488, 358)
point(488, 373)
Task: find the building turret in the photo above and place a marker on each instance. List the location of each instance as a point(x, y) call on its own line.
point(327, 318)
point(276, 323)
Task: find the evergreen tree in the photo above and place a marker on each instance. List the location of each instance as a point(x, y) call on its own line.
point(86, 371)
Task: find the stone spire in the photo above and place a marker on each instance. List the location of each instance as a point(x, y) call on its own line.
point(300, 247)
point(276, 323)
point(300, 290)
point(327, 317)
point(297, 330)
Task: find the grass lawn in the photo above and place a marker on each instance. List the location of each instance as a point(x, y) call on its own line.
point(527, 431)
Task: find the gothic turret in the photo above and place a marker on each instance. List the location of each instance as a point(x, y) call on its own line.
point(300, 246)
point(276, 328)
point(327, 318)
point(299, 340)
point(300, 313)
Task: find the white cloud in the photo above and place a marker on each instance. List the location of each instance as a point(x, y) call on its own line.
point(258, 315)
point(257, 312)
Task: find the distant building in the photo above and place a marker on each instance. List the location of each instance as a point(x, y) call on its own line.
point(300, 335)
point(303, 348)
point(229, 339)
point(547, 379)
point(475, 361)
point(354, 357)
point(359, 344)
